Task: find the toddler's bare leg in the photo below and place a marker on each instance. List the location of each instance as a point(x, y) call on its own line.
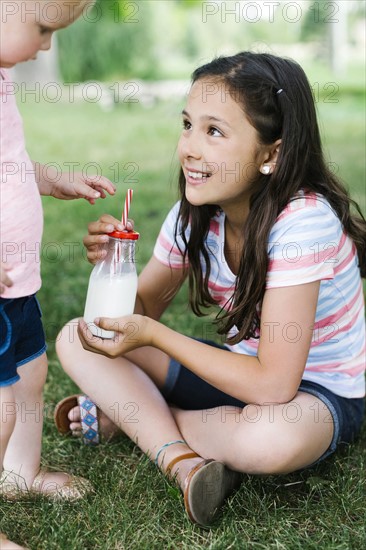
point(23, 454)
point(8, 416)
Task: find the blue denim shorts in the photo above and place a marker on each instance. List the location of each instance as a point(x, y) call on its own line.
point(188, 391)
point(22, 336)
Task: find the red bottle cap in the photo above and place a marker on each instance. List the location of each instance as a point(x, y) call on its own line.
point(128, 235)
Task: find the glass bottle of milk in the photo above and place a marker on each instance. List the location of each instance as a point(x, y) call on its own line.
point(113, 282)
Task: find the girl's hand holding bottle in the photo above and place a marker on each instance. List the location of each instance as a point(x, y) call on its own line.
point(113, 282)
point(130, 332)
point(97, 236)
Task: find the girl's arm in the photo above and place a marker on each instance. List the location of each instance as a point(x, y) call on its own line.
point(287, 320)
point(157, 286)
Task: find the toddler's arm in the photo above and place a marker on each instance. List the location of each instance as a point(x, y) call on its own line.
point(70, 185)
point(5, 280)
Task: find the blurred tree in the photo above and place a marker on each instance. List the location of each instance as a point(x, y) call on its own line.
point(326, 23)
point(112, 40)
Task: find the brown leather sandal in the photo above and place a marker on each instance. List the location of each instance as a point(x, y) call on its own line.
point(207, 486)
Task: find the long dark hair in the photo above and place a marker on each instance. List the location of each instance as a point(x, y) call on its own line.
point(277, 100)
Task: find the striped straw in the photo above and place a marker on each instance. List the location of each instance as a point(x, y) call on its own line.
point(126, 207)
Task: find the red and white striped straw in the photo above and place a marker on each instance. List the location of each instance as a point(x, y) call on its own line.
point(126, 207)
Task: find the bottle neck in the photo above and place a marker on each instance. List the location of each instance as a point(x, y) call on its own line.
point(123, 250)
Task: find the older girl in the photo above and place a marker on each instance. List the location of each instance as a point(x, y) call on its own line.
point(264, 230)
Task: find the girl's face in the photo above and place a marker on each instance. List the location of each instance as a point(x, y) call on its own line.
point(218, 149)
point(26, 27)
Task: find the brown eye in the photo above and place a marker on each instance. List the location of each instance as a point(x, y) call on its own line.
point(214, 132)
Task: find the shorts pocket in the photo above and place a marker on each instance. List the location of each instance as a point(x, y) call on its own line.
point(38, 305)
point(5, 331)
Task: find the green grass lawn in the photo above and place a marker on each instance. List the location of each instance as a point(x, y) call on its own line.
point(133, 506)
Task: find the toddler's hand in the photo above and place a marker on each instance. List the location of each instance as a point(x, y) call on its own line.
point(97, 236)
point(78, 186)
point(5, 280)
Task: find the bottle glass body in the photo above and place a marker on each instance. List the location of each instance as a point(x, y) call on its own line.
point(112, 285)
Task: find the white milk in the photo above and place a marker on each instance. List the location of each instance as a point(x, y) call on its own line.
point(109, 297)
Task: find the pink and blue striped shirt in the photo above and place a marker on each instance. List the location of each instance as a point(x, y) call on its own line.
point(307, 243)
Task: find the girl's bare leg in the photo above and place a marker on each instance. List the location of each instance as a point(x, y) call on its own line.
point(125, 393)
point(267, 439)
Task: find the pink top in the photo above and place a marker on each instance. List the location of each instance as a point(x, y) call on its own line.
point(21, 217)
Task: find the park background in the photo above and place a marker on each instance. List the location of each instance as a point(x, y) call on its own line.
point(108, 98)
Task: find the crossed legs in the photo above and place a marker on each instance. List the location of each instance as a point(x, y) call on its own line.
point(265, 439)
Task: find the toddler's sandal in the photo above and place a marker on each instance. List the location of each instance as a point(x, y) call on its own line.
point(89, 417)
point(74, 489)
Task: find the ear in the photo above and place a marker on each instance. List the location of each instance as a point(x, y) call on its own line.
point(270, 158)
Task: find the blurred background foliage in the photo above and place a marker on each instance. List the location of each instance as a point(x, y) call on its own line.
point(157, 39)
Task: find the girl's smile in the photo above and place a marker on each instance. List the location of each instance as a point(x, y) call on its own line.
point(196, 177)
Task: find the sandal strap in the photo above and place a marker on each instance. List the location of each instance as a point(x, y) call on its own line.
point(177, 459)
point(89, 420)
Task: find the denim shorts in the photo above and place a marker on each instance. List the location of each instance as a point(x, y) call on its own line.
point(188, 391)
point(22, 336)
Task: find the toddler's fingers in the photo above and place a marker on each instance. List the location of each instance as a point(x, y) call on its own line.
point(86, 190)
point(103, 184)
point(102, 192)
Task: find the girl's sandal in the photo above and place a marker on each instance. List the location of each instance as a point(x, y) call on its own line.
point(206, 487)
point(6, 544)
point(90, 415)
point(74, 489)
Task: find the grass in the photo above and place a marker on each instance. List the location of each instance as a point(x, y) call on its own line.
point(134, 507)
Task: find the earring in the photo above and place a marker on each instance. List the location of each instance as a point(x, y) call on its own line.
point(266, 169)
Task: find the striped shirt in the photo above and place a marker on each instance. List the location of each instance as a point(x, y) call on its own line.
point(307, 243)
